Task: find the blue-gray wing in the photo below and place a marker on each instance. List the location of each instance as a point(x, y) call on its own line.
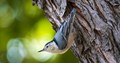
point(62, 34)
point(60, 40)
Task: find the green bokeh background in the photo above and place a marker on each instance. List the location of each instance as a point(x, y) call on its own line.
point(24, 30)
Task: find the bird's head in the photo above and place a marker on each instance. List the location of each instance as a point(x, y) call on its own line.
point(49, 47)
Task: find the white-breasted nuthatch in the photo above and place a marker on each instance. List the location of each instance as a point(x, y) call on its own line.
point(34, 2)
point(64, 37)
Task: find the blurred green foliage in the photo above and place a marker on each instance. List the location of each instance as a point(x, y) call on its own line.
point(24, 30)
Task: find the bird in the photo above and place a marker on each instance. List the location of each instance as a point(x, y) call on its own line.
point(64, 37)
point(34, 2)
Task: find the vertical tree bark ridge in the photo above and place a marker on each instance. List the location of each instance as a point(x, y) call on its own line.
point(97, 23)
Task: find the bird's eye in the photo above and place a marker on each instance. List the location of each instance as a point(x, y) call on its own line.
point(46, 46)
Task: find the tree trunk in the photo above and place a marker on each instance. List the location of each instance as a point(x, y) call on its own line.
point(97, 23)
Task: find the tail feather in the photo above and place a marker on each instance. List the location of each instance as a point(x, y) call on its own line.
point(68, 25)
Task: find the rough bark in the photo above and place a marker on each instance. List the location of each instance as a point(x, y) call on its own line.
point(97, 23)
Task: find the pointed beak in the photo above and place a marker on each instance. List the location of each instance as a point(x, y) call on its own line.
point(41, 50)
